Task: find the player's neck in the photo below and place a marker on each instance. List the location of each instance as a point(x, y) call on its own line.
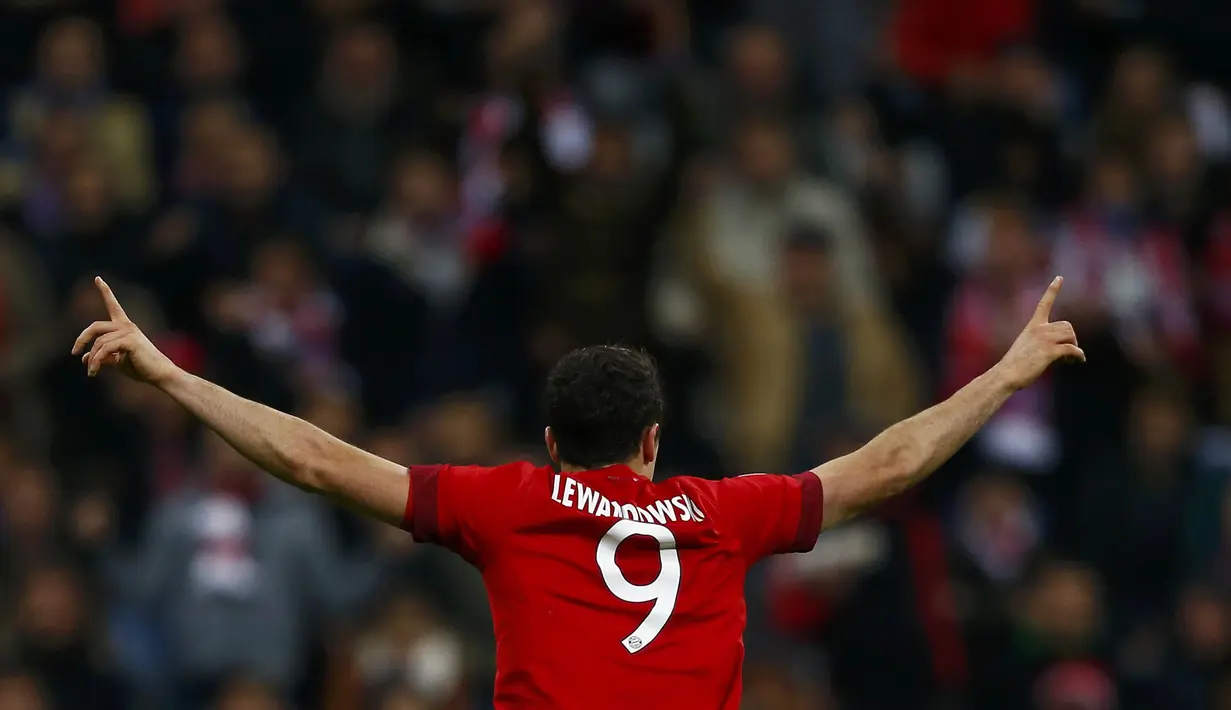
point(635, 466)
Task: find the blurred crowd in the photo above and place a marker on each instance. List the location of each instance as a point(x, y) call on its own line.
point(390, 217)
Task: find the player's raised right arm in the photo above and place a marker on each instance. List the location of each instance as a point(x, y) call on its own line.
point(286, 446)
point(908, 451)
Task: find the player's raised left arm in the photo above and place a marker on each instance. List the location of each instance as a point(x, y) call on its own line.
point(285, 446)
point(908, 451)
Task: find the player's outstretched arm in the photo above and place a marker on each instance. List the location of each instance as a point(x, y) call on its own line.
point(286, 446)
point(907, 452)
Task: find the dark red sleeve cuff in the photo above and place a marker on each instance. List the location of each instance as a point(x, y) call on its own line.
point(422, 516)
point(812, 504)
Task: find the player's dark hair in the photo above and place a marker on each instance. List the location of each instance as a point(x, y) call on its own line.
point(600, 400)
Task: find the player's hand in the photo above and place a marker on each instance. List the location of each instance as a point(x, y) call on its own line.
point(1040, 344)
point(119, 343)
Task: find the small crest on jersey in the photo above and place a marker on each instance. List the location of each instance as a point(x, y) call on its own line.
point(633, 643)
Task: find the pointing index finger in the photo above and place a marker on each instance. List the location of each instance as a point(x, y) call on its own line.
point(1042, 313)
point(114, 310)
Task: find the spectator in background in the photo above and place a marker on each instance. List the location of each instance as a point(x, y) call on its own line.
point(1142, 90)
point(733, 242)
point(1050, 656)
point(835, 42)
point(1186, 675)
point(358, 119)
point(998, 529)
point(1179, 184)
point(594, 269)
point(288, 315)
point(207, 63)
point(408, 645)
point(460, 289)
point(31, 532)
point(205, 130)
point(993, 298)
point(26, 333)
point(71, 78)
point(34, 202)
point(1128, 276)
point(1131, 507)
point(526, 102)
point(1000, 127)
point(249, 202)
point(757, 78)
point(233, 569)
point(94, 237)
point(209, 59)
point(57, 639)
point(853, 361)
point(257, 203)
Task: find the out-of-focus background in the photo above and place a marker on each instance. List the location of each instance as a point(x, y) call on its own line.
point(391, 217)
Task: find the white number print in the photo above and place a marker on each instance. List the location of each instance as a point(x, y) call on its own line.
point(663, 590)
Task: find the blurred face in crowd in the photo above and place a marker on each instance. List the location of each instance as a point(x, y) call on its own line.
point(1173, 154)
point(209, 56)
point(611, 157)
point(757, 63)
point(51, 613)
point(225, 465)
point(29, 506)
point(1113, 183)
point(1160, 421)
point(60, 144)
point(404, 620)
point(336, 413)
point(808, 274)
point(208, 129)
point(252, 168)
point(1025, 80)
point(248, 695)
point(87, 196)
point(764, 152)
point(522, 42)
point(21, 692)
point(1063, 606)
point(463, 428)
point(424, 189)
point(997, 526)
point(1013, 253)
point(992, 501)
point(360, 71)
point(71, 55)
point(283, 271)
point(1140, 81)
point(1202, 625)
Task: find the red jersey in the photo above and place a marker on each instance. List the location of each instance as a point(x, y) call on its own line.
point(609, 590)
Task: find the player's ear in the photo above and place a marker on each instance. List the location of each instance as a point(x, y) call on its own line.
point(649, 443)
point(550, 440)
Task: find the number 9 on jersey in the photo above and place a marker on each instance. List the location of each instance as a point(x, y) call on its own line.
point(662, 590)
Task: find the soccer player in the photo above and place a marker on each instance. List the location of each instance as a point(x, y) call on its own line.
point(608, 589)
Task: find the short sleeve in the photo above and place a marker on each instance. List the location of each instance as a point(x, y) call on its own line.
point(772, 513)
point(454, 507)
